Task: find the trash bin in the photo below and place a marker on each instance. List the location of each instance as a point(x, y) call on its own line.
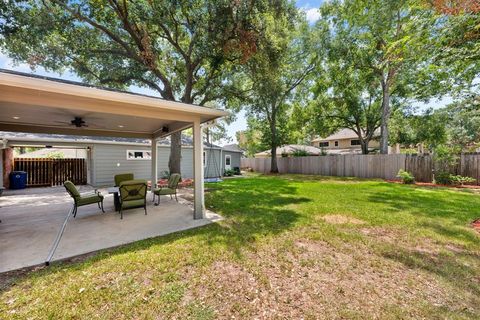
point(18, 180)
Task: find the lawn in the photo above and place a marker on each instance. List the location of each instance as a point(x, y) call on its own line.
point(290, 247)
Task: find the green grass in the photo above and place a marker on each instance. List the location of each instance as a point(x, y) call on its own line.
point(289, 247)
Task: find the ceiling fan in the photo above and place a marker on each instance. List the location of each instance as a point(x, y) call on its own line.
point(78, 122)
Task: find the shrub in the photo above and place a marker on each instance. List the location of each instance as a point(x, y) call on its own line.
point(443, 177)
point(300, 153)
point(407, 177)
point(229, 173)
point(461, 180)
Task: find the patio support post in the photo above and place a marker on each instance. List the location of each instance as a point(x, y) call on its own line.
point(1, 167)
point(199, 207)
point(154, 151)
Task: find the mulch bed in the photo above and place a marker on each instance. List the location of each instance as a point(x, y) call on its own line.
point(476, 224)
point(431, 184)
point(182, 184)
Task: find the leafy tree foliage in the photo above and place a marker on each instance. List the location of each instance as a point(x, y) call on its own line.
point(385, 41)
point(463, 122)
point(345, 96)
point(184, 50)
point(274, 74)
point(409, 128)
point(457, 40)
point(250, 139)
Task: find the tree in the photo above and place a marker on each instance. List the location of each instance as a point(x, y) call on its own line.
point(387, 39)
point(345, 96)
point(463, 122)
point(274, 73)
point(410, 128)
point(250, 139)
point(184, 50)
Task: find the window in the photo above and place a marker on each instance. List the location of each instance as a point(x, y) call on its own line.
point(204, 159)
point(323, 144)
point(228, 160)
point(336, 143)
point(355, 142)
point(138, 155)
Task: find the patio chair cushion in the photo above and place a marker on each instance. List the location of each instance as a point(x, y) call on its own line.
point(163, 191)
point(71, 189)
point(92, 198)
point(119, 178)
point(133, 203)
point(173, 180)
point(133, 193)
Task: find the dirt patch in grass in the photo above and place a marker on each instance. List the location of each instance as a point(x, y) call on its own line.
point(312, 278)
point(340, 219)
point(403, 240)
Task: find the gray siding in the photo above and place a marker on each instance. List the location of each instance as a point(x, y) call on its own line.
point(109, 160)
point(235, 159)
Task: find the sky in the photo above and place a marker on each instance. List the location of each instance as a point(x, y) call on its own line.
point(310, 7)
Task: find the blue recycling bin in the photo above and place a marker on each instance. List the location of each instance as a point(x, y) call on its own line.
point(18, 180)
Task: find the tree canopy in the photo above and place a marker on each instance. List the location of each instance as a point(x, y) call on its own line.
point(184, 50)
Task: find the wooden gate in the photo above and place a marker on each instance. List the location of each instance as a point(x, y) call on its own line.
point(43, 172)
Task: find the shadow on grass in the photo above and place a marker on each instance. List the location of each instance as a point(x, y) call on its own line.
point(253, 208)
point(453, 268)
point(444, 212)
point(449, 212)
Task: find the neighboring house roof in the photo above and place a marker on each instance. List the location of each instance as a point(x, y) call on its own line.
point(186, 140)
point(342, 134)
point(232, 148)
point(291, 148)
point(47, 152)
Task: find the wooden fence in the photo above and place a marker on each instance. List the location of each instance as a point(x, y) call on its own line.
point(366, 166)
point(52, 172)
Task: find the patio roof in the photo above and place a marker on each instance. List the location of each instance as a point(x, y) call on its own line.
point(36, 104)
point(45, 105)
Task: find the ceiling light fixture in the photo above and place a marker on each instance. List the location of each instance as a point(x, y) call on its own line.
point(120, 126)
point(15, 117)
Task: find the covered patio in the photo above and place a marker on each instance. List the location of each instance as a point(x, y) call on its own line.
point(43, 105)
point(32, 219)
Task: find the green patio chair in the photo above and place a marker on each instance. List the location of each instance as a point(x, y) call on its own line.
point(170, 189)
point(119, 178)
point(133, 194)
point(83, 199)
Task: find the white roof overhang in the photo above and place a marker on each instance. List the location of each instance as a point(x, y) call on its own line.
point(35, 105)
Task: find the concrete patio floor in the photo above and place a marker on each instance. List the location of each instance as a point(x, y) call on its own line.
point(31, 219)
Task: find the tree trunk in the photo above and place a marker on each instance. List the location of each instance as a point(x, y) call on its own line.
point(274, 166)
point(175, 152)
point(385, 117)
point(273, 131)
point(364, 145)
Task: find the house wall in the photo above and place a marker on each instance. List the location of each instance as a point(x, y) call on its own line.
point(108, 160)
point(235, 159)
point(345, 144)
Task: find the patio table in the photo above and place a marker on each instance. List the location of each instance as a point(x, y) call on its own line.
point(116, 198)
